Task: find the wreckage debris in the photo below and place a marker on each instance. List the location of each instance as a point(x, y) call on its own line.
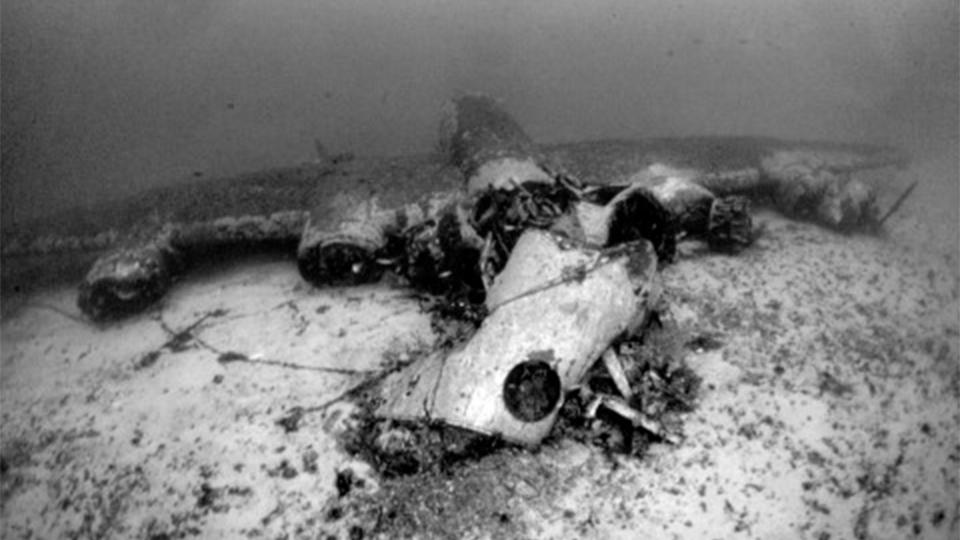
point(558, 268)
point(555, 295)
point(132, 277)
point(532, 389)
point(896, 205)
point(729, 225)
point(803, 185)
point(636, 212)
point(597, 411)
point(553, 276)
point(488, 146)
point(127, 281)
point(627, 415)
point(353, 220)
point(465, 387)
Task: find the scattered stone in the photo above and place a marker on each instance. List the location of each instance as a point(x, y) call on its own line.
point(310, 458)
point(345, 479)
point(705, 342)
point(284, 470)
point(290, 422)
point(147, 360)
point(230, 356)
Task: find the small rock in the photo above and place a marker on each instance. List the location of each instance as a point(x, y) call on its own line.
point(290, 422)
point(310, 458)
point(284, 470)
point(344, 481)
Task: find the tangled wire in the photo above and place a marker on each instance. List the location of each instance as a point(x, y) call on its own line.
point(500, 217)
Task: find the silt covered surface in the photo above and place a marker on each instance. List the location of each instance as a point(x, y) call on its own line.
point(829, 407)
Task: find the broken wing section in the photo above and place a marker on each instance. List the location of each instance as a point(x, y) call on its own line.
point(812, 180)
point(553, 309)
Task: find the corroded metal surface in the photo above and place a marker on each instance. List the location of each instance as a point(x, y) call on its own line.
point(267, 208)
point(724, 163)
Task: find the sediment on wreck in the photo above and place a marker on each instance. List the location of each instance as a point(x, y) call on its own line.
point(488, 146)
point(806, 186)
point(683, 209)
point(812, 180)
point(663, 210)
point(429, 227)
point(553, 302)
point(508, 188)
point(128, 279)
point(553, 310)
point(216, 219)
point(61, 248)
point(399, 212)
point(349, 230)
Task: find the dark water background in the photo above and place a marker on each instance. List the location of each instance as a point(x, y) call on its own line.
point(104, 98)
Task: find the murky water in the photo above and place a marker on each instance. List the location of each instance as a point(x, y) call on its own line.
point(831, 403)
point(110, 98)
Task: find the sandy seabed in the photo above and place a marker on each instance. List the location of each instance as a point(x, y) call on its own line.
point(832, 410)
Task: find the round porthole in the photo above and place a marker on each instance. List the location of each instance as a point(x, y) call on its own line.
point(531, 390)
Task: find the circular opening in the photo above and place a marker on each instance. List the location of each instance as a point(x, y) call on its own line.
point(338, 263)
point(531, 390)
point(641, 215)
